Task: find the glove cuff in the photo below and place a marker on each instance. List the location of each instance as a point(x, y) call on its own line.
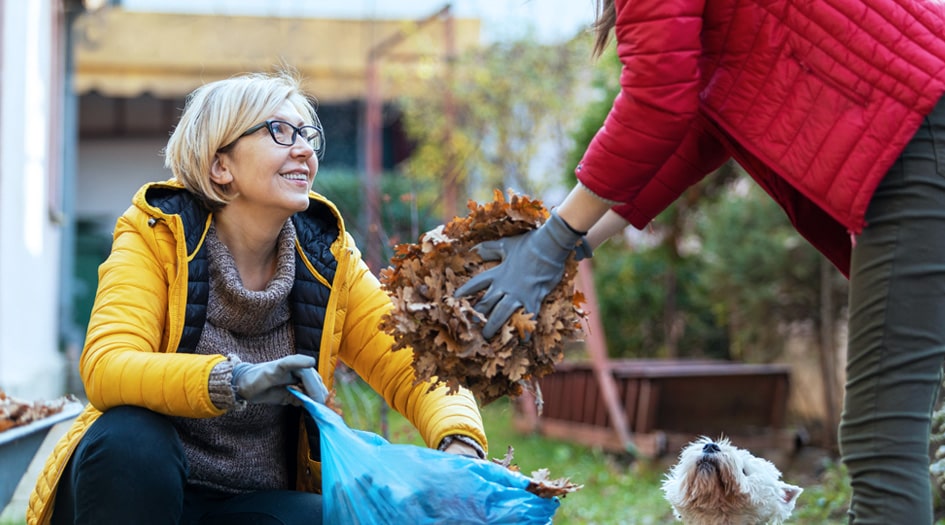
point(239, 368)
point(575, 232)
point(561, 232)
point(583, 250)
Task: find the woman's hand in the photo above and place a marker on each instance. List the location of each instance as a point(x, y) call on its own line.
point(266, 382)
point(532, 265)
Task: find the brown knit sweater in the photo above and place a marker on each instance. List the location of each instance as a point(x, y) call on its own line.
point(244, 449)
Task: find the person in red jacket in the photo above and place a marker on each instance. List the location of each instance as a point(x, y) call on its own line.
point(836, 109)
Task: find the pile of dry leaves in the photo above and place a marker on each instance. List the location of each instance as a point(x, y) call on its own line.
point(17, 412)
point(445, 332)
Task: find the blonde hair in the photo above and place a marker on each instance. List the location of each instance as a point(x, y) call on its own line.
point(605, 22)
point(216, 114)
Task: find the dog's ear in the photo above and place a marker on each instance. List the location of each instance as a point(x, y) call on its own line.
point(791, 492)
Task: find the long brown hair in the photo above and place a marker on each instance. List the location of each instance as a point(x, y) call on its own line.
point(606, 19)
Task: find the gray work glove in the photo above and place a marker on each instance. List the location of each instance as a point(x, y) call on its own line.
point(313, 386)
point(532, 265)
point(266, 382)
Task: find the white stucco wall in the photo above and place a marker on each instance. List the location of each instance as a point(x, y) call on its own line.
point(31, 365)
point(111, 171)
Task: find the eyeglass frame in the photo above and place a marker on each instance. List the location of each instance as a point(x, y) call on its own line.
point(296, 131)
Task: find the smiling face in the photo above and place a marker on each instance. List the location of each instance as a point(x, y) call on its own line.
point(268, 179)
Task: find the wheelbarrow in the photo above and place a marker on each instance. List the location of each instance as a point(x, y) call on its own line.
point(18, 445)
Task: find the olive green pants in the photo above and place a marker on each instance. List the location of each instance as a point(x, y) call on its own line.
point(897, 336)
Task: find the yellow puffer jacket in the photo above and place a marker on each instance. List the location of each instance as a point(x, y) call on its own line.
point(140, 320)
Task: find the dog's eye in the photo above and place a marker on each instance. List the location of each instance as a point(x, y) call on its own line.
point(745, 471)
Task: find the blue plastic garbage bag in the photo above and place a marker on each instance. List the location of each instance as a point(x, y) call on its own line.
point(367, 480)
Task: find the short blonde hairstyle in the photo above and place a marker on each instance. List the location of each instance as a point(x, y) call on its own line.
point(216, 114)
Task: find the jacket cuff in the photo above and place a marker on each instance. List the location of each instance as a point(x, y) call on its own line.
point(596, 196)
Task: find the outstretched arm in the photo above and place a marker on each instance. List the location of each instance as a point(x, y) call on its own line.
point(608, 226)
point(581, 209)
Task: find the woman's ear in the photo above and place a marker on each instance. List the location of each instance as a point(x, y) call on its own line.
point(219, 172)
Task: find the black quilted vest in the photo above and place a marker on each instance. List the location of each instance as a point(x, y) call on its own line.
point(316, 228)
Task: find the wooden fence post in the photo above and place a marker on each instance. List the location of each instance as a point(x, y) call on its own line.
point(597, 348)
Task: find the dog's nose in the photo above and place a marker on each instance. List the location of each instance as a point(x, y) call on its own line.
point(710, 448)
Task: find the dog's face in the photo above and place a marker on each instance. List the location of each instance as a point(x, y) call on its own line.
point(715, 482)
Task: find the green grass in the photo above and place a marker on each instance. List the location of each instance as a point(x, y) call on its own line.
point(616, 491)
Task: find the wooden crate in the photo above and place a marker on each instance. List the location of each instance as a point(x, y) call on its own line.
point(666, 404)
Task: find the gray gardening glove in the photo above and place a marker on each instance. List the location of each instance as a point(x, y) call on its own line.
point(313, 386)
point(266, 382)
point(532, 265)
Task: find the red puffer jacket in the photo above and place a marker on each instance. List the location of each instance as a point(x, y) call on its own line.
point(814, 98)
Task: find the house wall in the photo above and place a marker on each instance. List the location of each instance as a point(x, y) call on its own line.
point(31, 364)
point(110, 172)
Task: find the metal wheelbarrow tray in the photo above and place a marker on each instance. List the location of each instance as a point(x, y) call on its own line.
point(19, 444)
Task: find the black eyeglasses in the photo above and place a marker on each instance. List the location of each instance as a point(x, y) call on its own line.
point(285, 134)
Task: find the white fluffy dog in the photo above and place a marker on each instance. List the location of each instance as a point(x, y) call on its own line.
point(717, 483)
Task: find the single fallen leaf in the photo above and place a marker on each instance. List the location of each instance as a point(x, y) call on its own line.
point(542, 485)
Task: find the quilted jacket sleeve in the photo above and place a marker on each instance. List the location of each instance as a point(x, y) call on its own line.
point(699, 154)
point(125, 360)
point(367, 350)
point(658, 42)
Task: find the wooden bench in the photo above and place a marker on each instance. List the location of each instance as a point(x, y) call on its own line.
point(666, 404)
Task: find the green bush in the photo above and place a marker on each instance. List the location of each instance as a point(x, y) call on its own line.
point(633, 292)
point(403, 215)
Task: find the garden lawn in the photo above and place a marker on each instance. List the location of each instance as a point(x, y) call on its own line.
point(618, 491)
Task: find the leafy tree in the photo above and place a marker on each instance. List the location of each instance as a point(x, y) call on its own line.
point(761, 279)
point(632, 297)
point(498, 119)
point(605, 86)
point(759, 275)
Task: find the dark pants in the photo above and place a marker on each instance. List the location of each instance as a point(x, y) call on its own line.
point(130, 467)
point(897, 336)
